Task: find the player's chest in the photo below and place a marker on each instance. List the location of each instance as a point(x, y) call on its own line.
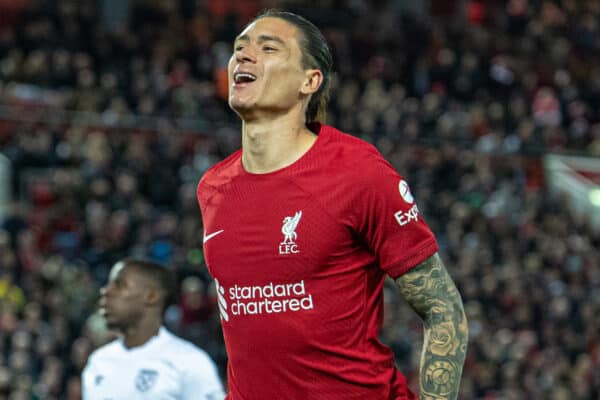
point(275, 233)
point(153, 379)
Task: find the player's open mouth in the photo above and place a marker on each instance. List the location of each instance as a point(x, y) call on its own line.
point(103, 310)
point(240, 78)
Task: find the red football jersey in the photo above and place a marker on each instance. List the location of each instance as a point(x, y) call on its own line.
point(299, 257)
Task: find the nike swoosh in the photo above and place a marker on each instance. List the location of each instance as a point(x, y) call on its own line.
point(212, 235)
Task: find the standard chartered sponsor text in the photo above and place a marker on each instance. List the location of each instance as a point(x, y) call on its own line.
point(270, 298)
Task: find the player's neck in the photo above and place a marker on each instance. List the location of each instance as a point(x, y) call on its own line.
point(269, 145)
point(138, 335)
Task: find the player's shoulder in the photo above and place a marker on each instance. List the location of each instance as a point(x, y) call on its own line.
point(184, 350)
point(222, 170)
point(108, 350)
point(353, 154)
point(347, 140)
point(218, 176)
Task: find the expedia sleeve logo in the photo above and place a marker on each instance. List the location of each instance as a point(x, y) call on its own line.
point(271, 298)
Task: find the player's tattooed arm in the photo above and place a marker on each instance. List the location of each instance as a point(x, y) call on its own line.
point(432, 294)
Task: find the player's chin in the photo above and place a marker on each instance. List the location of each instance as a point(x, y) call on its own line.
point(240, 105)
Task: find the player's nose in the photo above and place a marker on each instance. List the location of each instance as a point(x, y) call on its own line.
point(245, 54)
point(103, 291)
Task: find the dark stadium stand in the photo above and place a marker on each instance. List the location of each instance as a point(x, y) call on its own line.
point(110, 112)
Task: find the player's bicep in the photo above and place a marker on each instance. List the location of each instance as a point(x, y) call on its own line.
point(430, 291)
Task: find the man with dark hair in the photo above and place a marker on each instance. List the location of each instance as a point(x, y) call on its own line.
point(302, 225)
point(147, 361)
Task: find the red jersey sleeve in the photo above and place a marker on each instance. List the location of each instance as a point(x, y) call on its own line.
point(388, 218)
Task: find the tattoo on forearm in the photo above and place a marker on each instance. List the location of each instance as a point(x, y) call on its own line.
point(432, 294)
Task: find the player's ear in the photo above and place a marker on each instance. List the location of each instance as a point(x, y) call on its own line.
point(153, 296)
point(312, 81)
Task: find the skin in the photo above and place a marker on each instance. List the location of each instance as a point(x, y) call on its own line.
point(432, 294)
point(272, 108)
point(131, 304)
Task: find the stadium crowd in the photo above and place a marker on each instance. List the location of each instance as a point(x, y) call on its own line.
point(464, 99)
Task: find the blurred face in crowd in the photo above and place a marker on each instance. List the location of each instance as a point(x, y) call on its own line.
point(122, 300)
point(265, 70)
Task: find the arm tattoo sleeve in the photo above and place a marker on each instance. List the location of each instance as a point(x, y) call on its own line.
point(432, 294)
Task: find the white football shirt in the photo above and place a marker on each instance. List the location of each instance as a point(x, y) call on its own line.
point(164, 368)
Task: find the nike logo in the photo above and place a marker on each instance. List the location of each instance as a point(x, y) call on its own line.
point(212, 235)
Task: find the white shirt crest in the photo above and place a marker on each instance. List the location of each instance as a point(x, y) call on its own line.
point(289, 227)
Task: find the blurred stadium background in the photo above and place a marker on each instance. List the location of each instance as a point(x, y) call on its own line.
point(111, 110)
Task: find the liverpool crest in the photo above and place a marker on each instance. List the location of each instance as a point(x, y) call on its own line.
point(289, 246)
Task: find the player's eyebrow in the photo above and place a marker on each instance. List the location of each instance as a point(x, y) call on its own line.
point(261, 39)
